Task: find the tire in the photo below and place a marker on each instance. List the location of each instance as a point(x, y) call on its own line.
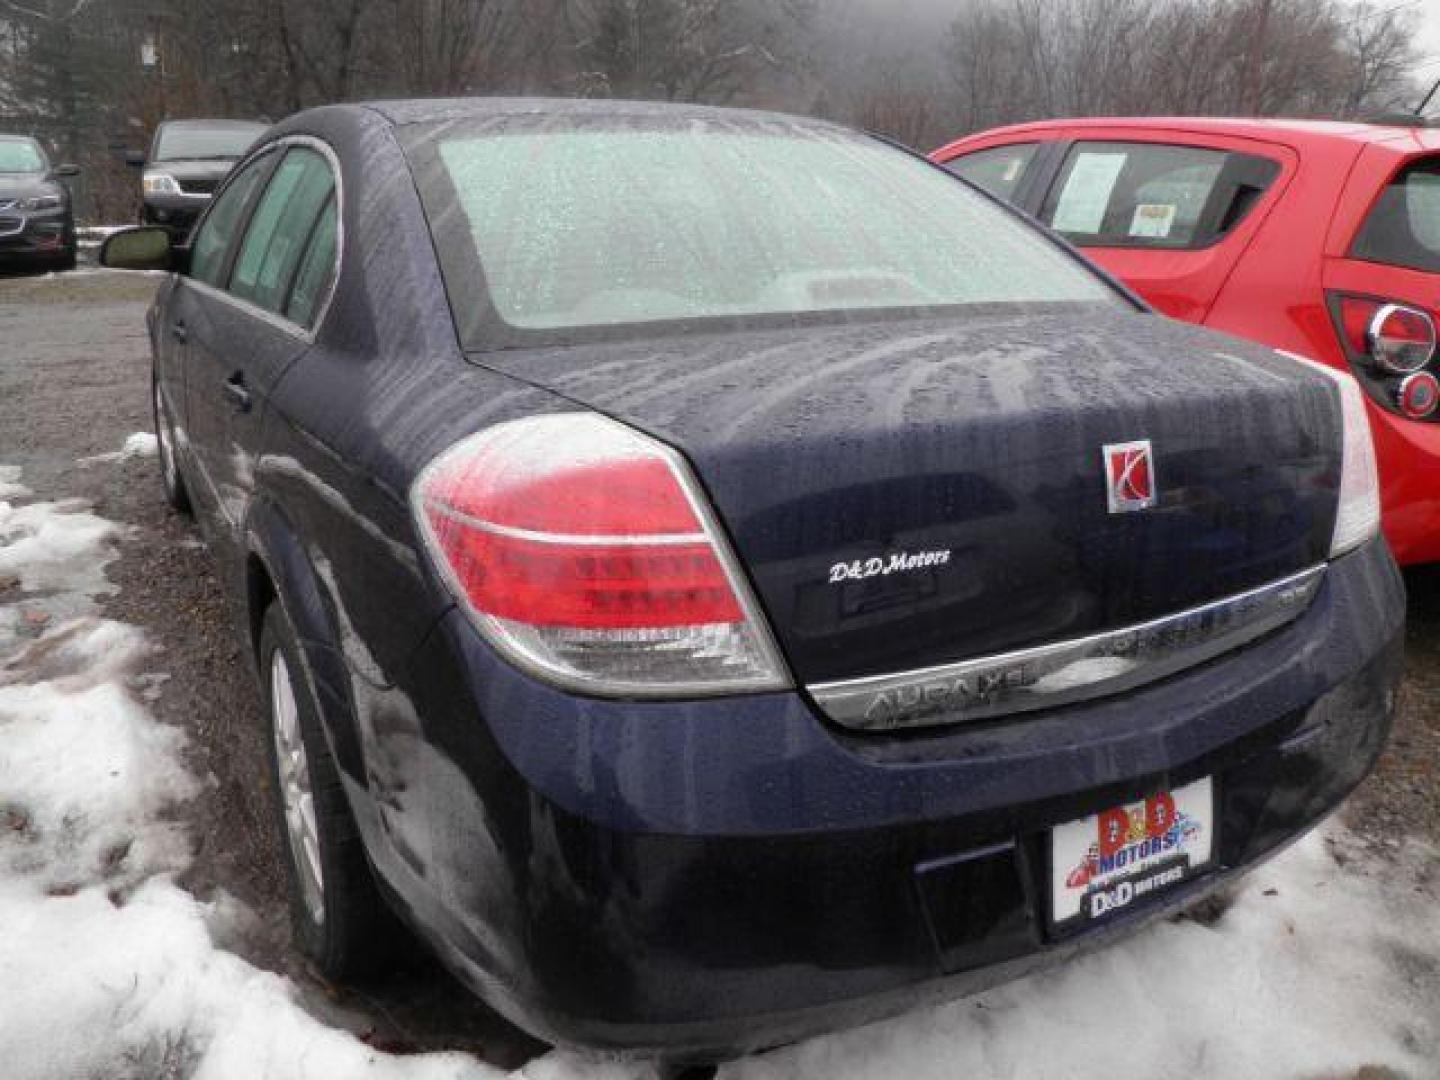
point(171, 481)
point(67, 261)
point(339, 919)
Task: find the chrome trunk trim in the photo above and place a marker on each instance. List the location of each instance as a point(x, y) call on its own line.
point(1066, 672)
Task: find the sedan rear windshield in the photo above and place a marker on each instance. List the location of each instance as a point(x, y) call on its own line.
point(1404, 227)
point(196, 142)
point(552, 224)
point(20, 156)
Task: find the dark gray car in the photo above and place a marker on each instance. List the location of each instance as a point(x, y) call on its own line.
point(188, 159)
point(37, 224)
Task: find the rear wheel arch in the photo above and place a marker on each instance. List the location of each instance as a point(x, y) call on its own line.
point(259, 595)
point(278, 570)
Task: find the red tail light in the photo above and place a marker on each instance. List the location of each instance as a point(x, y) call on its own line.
point(1395, 338)
point(1418, 396)
point(585, 552)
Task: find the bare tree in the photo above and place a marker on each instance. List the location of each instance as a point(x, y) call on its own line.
point(452, 46)
point(677, 50)
point(1098, 57)
point(1380, 50)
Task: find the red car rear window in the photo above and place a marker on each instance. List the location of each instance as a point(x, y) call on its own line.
point(1403, 229)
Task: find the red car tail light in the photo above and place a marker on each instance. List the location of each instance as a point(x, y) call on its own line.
point(586, 553)
point(1418, 396)
point(1395, 338)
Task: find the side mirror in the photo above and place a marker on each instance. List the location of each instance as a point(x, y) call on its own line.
point(145, 247)
point(135, 158)
point(67, 170)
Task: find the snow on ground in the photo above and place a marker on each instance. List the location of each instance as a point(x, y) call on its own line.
point(58, 546)
point(96, 233)
point(142, 444)
point(1328, 961)
point(107, 968)
point(10, 486)
point(1317, 971)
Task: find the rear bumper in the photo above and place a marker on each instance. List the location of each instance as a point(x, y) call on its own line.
point(705, 878)
point(1409, 453)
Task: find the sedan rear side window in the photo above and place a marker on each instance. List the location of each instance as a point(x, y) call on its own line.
point(279, 228)
point(997, 170)
point(1151, 195)
point(210, 250)
point(1404, 227)
point(572, 222)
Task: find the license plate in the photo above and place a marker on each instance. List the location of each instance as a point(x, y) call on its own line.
point(1108, 862)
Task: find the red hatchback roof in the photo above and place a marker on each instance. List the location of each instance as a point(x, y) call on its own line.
point(1296, 133)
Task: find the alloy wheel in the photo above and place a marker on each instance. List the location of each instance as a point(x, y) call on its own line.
point(296, 793)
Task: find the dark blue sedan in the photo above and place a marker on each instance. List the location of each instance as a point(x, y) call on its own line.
point(720, 577)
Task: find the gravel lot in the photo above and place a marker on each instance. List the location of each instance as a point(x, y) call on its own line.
point(74, 382)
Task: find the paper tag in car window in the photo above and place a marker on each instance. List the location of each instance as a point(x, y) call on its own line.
point(1154, 220)
point(1086, 195)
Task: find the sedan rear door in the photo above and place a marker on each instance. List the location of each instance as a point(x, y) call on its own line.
point(243, 337)
point(189, 312)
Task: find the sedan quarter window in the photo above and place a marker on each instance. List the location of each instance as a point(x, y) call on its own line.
point(997, 170)
point(210, 251)
point(316, 270)
point(1152, 195)
point(280, 227)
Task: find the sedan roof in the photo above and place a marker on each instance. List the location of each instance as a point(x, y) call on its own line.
point(430, 110)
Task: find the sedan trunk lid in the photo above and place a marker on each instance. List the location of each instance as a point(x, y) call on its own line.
point(919, 493)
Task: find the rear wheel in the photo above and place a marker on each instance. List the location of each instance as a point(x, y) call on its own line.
point(170, 479)
point(335, 907)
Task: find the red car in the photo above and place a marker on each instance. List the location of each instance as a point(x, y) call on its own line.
point(1317, 238)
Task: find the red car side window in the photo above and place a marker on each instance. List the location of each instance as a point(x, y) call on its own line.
point(1154, 195)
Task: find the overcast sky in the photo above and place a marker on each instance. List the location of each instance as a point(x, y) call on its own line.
point(1429, 41)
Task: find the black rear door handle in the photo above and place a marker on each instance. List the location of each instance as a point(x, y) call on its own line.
point(178, 331)
point(235, 388)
